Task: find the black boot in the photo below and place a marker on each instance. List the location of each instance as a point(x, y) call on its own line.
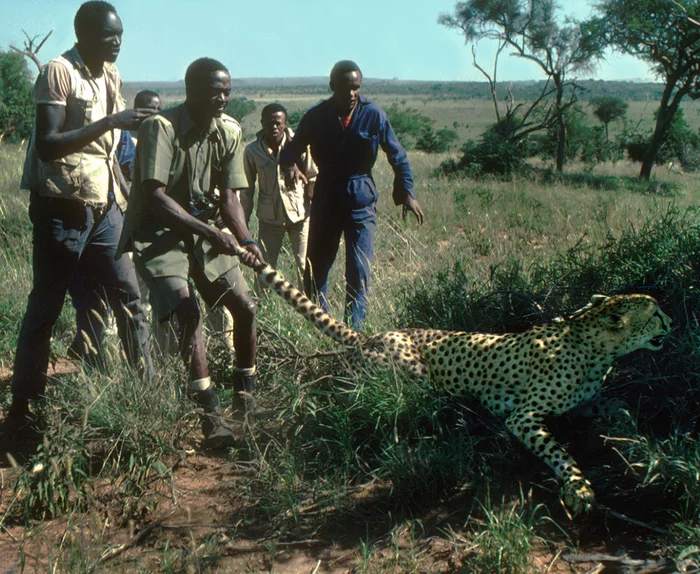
point(217, 434)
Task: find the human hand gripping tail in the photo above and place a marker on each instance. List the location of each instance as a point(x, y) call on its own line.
point(412, 205)
point(250, 254)
point(247, 250)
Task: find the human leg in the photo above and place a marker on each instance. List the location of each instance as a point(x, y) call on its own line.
point(299, 238)
point(174, 296)
point(60, 231)
point(359, 252)
point(116, 280)
point(270, 237)
point(92, 315)
point(324, 239)
point(231, 291)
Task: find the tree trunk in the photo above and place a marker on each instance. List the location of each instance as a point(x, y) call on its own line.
point(561, 127)
point(663, 121)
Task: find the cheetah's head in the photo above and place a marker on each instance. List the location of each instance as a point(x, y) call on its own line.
point(624, 323)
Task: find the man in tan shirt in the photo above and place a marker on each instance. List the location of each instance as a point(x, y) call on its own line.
point(280, 209)
point(76, 200)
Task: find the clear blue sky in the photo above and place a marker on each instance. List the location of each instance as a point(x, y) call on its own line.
point(287, 38)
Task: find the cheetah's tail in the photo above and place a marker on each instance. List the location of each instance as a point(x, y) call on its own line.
point(302, 304)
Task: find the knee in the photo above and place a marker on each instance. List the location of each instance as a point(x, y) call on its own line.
point(244, 310)
point(188, 313)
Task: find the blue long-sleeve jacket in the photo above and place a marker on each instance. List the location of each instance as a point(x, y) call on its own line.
point(345, 158)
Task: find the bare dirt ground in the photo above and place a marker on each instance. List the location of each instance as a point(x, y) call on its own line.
point(60, 366)
point(197, 521)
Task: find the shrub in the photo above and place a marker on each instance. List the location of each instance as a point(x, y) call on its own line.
point(294, 118)
point(680, 144)
point(16, 97)
point(408, 124)
point(431, 141)
point(492, 155)
point(237, 108)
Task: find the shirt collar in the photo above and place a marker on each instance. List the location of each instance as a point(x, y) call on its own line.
point(74, 56)
point(288, 135)
point(188, 125)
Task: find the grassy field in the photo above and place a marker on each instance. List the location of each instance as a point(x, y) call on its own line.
point(371, 471)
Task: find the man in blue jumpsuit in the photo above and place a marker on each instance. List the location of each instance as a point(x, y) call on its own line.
point(345, 133)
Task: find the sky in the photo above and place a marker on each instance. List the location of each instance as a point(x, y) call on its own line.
point(389, 39)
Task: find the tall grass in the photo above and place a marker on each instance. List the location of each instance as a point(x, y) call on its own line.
point(492, 256)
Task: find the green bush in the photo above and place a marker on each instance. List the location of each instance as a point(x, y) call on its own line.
point(16, 98)
point(492, 155)
point(681, 144)
point(294, 118)
point(431, 141)
point(237, 108)
point(408, 124)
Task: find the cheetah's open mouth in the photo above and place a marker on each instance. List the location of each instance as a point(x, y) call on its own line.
point(658, 341)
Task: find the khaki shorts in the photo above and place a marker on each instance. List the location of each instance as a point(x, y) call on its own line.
point(169, 292)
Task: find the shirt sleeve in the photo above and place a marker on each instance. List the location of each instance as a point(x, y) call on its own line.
point(310, 169)
point(53, 86)
point(155, 151)
point(233, 170)
point(293, 151)
point(248, 193)
point(398, 159)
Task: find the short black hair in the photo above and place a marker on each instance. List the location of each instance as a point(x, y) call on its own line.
point(273, 109)
point(89, 13)
point(200, 68)
point(144, 97)
point(343, 67)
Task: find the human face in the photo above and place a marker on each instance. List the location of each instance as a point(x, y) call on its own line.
point(346, 91)
point(104, 40)
point(210, 97)
point(154, 103)
point(273, 126)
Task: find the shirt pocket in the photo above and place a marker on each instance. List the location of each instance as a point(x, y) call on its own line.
point(62, 176)
point(266, 207)
point(79, 110)
point(364, 146)
point(362, 192)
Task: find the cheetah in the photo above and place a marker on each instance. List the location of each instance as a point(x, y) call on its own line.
point(520, 377)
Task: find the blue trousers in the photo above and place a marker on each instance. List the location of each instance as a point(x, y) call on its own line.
point(71, 239)
point(326, 226)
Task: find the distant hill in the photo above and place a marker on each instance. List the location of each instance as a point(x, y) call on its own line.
point(524, 90)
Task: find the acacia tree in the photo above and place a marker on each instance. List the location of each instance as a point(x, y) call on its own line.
point(608, 109)
point(665, 34)
point(532, 30)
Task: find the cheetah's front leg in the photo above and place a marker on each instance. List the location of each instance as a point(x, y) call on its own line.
point(529, 427)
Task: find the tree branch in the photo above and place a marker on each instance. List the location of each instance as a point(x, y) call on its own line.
point(29, 50)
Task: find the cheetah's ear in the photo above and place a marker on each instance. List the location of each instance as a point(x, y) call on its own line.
point(597, 299)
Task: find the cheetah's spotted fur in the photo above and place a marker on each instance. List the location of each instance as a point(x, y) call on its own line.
point(521, 377)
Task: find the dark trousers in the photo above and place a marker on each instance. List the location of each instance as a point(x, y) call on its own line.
point(69, 240)
point(357, 226)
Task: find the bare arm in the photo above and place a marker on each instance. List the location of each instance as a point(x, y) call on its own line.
point(234, 218)
point(248, 193)
point(53, 143)
point(175, 216)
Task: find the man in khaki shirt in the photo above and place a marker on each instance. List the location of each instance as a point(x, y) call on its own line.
point(75, 202)
point(279, 209)
point(184, 221)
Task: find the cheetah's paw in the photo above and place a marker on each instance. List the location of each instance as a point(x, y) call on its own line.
point(577, 496)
